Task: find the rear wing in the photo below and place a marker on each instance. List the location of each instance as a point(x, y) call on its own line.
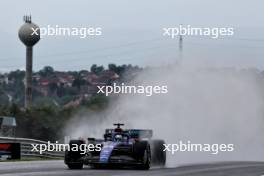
point(133, 133)
point(139, 133)
point(94, 140)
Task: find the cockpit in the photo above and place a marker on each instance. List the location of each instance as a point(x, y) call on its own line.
point(120, 137)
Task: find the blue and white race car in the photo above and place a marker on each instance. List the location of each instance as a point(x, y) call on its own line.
point(120, 147)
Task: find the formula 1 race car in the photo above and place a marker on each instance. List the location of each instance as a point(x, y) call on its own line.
point(119, 148)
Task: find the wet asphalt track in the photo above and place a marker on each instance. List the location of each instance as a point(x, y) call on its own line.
point(50, 168)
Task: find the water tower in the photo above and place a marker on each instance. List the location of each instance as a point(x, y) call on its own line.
point(29, 34)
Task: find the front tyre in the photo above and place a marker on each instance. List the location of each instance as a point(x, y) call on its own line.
point(73, 158)
point(75, 165)
point(142, 153)
point(146, 159)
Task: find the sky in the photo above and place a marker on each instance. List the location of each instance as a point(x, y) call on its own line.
point(132, 33)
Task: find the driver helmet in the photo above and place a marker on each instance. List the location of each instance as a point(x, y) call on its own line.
point(118, 137)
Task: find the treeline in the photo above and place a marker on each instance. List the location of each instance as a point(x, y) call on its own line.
point(48, 122)
point(57, 97)
point(60, 88)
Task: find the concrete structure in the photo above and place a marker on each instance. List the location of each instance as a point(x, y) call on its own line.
point(29, 34)
point(7, 126)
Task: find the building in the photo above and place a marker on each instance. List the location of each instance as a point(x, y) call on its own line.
point(7, 126)
point(4, 79)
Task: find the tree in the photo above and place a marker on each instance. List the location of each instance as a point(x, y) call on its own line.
point(112, 67)
point(97, 69)
point(93, 68)
point(78, 82)
point(16, 75)
point(46, 71)
point(53, 87)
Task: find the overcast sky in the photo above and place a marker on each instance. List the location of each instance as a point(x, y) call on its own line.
point(132, 32)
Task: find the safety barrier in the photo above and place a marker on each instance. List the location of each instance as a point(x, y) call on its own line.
point(26, 148)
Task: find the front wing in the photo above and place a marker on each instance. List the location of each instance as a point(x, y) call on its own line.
point(120, 160)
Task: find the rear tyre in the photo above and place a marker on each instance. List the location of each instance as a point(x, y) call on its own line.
point(73, 158)
point(96, 166)
point(75, 165)
point(158, 153)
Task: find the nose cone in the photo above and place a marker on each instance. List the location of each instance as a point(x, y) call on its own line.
point(29, 34)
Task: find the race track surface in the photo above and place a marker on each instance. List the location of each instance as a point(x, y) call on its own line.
point(50, 168)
